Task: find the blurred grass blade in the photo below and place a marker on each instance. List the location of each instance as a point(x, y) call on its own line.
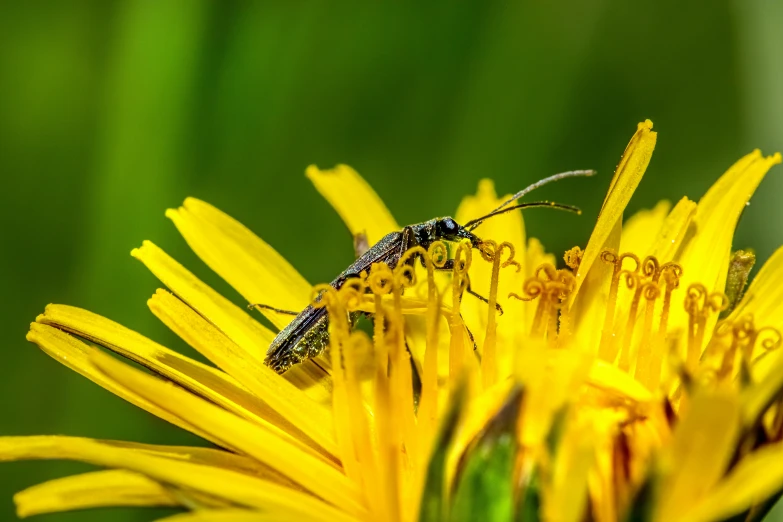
point(485, 487)
point(433, 505)
point(529, 505)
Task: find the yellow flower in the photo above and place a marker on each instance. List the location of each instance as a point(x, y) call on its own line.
point(609, 389)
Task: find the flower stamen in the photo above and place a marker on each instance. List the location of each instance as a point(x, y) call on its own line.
point(463, 257)
point(699, 303)
point(493, 253)
point(651, 353)
point(552, 287)
point(606, 349)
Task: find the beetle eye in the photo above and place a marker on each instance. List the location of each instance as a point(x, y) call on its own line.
point(449, 225)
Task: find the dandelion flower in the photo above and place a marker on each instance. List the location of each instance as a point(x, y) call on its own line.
point(640, 382)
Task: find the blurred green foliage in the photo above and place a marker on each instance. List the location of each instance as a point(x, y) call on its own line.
point(111, 112)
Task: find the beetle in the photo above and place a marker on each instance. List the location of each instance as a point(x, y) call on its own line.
point(307, 335)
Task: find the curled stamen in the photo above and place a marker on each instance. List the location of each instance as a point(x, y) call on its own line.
point(610, 257)
point(718, 301)
point(632, 279)
point(338, 303)
point(607, 348)
point(463, 257)
point(352, 292)
point(698, 304)
point(651, 267)
point(670, 271)
point(490, 251)
point(744, 339)
point(553, 287)
point(439, 254)
point(744, 328)
point(322, 295)
point(650, 291)
point(493, 253)
point(699, 301)
point(380, 279)
point(405, 272)
point(567, 281)
point(531, 288)
point(408, 255)
point(548, 270)
point(769, 338)
point(428, 405)
point(695, 298)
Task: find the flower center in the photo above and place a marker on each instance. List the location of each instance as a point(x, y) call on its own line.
point(634, 332)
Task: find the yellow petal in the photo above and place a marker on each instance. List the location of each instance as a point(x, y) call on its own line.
point(754, 479)
point(248, 334)
point(616, 382)
point(217, 482)
point(199, 378)
point(640, 230)
point(670, 237)
point(313, 378)
point(357, 203)
point(76, 355)
point(227, 515)
point(48, 447)
point(763, 300)
point(702, 447)
point(231, 319)
point(551, 379)
point(92, 490)
point(588, 310)
point(705, 255)
point(575, 457)
point(588, 302)
point(764, 297)
point(626, 178)
point(300, 466)
point(247, 263)
point(283, 405)
point(758, 397)
point(536, 256)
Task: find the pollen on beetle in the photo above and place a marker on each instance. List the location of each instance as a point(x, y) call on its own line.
point(573, 257)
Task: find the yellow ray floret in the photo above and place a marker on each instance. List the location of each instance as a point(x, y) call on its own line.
point(263, 445)
point(246, 262)
point(92, 490)
point(357, 203)
point(625, 385)
point(232, 486)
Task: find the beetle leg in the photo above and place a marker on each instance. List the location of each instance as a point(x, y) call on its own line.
point(272, 308)
point(470, 334)
point(450, 266)
point(407, 241)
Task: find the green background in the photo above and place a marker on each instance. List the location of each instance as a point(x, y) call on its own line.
point(110, 112)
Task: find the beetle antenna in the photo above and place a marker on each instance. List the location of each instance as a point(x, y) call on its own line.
point(545, 181)
point(473, 224)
